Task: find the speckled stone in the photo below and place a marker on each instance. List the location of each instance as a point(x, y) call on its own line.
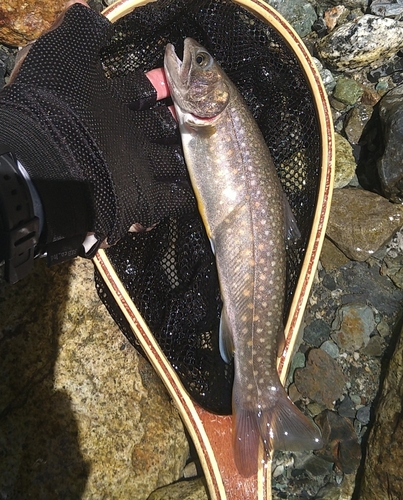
point(82, 414)
point(361, 222)
point(361, 42)
point(22, 22)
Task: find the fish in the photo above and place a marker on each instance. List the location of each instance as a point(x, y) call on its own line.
point(245, 215)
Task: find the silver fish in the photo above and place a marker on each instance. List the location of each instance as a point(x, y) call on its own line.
point(241, 203)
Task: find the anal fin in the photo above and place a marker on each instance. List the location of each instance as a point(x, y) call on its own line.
point(226, 338)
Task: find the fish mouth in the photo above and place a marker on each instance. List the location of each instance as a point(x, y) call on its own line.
point(176, 69)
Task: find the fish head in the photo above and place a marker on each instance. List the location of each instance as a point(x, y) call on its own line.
point(198, 86)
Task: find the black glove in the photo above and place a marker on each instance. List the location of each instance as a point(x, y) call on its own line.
point(102, 154)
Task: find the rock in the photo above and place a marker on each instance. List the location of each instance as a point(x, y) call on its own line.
point(340, 441)
point(82, 414)
point(347, 408)
point(321, 380)
point(360, 43)
point(352, 326)
point(390, 165)
point(347, 91)
point(330, 348)
point(332, 16)
point(386, 8)
point(386, 437)
point(345, 162)
point(362, 283)
point(316, 332)
point(364, 415)
point(331, 257)
point(22, 22)
point(184, 490)
point(299, 13)
point(375, 347)
point(361, 222)
point(328, 79)
point(356, 120)
point(314, 465)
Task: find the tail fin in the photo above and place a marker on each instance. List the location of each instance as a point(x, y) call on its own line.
point(246, 441)
point(281, 427)
point(289, 428)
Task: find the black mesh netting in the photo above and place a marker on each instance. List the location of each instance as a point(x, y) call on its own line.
point(169, 272)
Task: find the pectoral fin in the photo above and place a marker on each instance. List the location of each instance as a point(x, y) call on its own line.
point(226, 339)
point(292, 233)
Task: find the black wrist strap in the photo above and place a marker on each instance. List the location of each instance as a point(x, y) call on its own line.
point(19, 228)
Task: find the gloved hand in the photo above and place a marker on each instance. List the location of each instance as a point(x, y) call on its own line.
point(102, 154)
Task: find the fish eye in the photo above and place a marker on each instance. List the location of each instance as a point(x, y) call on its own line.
point(202, 59)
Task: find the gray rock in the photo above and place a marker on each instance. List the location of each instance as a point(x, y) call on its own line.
point(316, 332)
point(364, 414)
point(347, 408)
point(360, 43)
point(299, 13)
point(328, 79)
point(361, 222)
point(386, 8)
point(331, 348)
point(352, 326)
point(345, 164)
point(390, 165)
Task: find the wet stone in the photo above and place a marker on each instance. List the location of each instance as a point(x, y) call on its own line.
point(352, 326)
point(341, 442)
point(361, 42)
point(321, 380)
point(361, 222)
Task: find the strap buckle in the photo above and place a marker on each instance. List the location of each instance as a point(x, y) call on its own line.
point(19, 227)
